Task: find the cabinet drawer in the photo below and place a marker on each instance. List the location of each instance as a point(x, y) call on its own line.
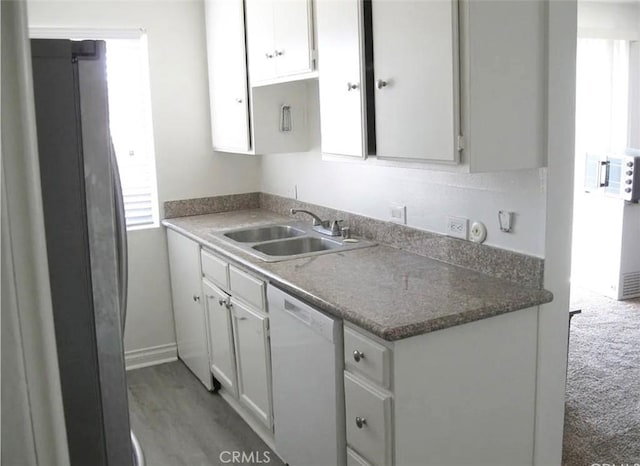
point(353, 459)
point(364, 356)
point(215, 269)
point(368, 418)
point(246, 287)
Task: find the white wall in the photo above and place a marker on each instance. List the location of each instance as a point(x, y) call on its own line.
point(609, 19)
point(186, 165)
point(430, 196)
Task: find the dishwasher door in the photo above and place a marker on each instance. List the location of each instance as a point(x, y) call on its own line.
point(308, 389)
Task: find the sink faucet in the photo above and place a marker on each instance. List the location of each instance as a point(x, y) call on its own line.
point(326, 227)
point(316, 220)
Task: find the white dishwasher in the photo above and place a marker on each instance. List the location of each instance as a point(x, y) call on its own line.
point(308, 388)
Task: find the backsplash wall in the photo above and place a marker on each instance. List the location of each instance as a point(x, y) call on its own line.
point(370, 189)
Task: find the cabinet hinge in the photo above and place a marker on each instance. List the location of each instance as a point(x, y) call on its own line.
point(461, 145)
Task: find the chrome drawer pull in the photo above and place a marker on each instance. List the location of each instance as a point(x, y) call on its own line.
point(360, 422)
point(358, 355)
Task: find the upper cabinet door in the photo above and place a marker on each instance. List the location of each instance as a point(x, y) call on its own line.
point(227, 75)
point(341, 84)
point(416, 79)
point(260, 40)
point(280, 39)
point(292, 30)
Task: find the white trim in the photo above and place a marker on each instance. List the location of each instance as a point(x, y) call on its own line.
point(145, 357)
point(85, 33)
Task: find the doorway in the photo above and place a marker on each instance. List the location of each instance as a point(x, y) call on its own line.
point(602, 423)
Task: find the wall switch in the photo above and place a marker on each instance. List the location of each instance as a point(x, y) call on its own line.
point(457, 227)
point(399, 214)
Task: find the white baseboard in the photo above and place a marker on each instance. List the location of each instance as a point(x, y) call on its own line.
point(136, 359)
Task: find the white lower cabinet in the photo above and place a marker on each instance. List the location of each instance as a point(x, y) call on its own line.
point(368, 416)
point(464, 395)
point(253, 359)
point(222, 357)
point(188, 310)
point(238, 330)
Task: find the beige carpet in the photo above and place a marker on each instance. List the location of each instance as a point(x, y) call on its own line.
point(602, 418)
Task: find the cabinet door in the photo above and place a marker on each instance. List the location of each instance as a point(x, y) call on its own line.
point(227, 75)
point(292, 36)
point(253, 359)
point(260, 40)
point(415, 78)
point(341, 83)
point(188, 309)
point(222, 352)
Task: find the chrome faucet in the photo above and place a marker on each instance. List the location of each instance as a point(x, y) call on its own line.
point(316, 220)
point(326, 227)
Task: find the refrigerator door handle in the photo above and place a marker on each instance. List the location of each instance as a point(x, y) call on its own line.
point(123, 273)
point(121, 238)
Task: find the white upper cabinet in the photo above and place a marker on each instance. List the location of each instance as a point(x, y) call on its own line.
point(416, 83)
point(228, 83)
point(279, 38)
point(504, 84)
point(342, 79)
point(264, 119)
point(449, 81)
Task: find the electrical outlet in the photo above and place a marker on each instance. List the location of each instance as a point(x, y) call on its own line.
point(399, 214)
point(458, 227)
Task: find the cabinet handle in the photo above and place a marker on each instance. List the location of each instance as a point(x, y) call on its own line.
point(381, 83)
point(352, 86)
point(358, 355)
point(268, 55)
point(238, 100)
point(228, 305)
point(360, 422)
point(221, 301)
point(279, 53)
point(196, 298)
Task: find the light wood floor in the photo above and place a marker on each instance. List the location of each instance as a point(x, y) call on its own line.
point(180, 423)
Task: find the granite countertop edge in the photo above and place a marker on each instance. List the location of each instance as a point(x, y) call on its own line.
point(534, 297)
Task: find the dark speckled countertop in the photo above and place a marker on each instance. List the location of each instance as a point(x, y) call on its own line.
point(389, 292)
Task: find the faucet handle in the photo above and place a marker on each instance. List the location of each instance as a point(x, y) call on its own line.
point(346, 232)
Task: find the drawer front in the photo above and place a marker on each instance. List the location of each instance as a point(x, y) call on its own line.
point(368, 418)
point(215, 269)
point(249, 289)
point(364, 356)
point(353, 459)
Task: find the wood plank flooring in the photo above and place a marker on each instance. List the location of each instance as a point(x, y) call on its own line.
point(180, 423)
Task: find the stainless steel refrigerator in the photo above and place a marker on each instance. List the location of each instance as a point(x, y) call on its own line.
point(86, 248)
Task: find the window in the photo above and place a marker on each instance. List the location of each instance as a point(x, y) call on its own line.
point(131, 129)
point(602, 96)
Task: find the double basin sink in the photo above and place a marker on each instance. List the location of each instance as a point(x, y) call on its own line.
point(273, 243)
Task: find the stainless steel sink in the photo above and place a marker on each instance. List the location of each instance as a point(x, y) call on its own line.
point(285, 241)
point(296, 246)
point(260, 234)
